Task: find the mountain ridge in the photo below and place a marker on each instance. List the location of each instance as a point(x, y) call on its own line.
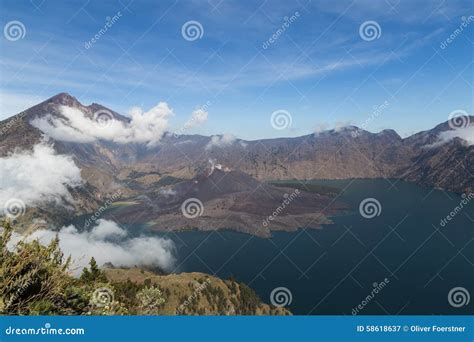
point(67, 99)
point(133, 169)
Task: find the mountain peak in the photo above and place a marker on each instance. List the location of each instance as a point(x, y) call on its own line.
point(64, 99)
point(389, 133)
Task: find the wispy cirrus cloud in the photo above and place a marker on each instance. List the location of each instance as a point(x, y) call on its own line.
point(313, 60)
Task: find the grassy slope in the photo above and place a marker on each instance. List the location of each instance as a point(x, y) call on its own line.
point(216, 297)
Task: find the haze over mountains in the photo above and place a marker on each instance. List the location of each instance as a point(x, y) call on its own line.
point(138, 159)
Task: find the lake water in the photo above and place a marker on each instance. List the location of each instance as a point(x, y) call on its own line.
point(332, 270)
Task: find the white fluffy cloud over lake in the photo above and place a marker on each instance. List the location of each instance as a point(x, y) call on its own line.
point(107, 242)
point(144, 127)
point(37, 176)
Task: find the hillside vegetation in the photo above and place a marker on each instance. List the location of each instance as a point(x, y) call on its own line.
point(36, 280)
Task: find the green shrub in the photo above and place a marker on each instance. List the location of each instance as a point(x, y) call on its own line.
point(33, 277)
point(150, 299)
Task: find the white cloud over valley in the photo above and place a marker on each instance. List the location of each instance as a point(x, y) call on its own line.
point(107, 242)
point(37, 176)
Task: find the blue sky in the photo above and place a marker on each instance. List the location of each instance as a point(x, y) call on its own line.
point(319, 68)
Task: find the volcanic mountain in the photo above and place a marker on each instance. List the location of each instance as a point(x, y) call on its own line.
point(160, 176)
point(219, 198)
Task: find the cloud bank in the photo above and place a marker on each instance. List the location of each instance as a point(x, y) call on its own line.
point(144, 127)
point(198, 117)
point(107, 242)
point(37, 176)
point(221, 141)
point(467, 134)
point(338, 126)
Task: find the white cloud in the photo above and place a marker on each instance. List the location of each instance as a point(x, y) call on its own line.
point(221, 141)
point(342, 125)
point(107, 229)
point(147, 127)
point(338, 126)
point(321, 127)
point(466, 134)
point(144, 127)
point(198, 117)
point(37, 176)
point(107, 242)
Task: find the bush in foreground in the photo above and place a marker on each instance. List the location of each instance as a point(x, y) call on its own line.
point(35, 280)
